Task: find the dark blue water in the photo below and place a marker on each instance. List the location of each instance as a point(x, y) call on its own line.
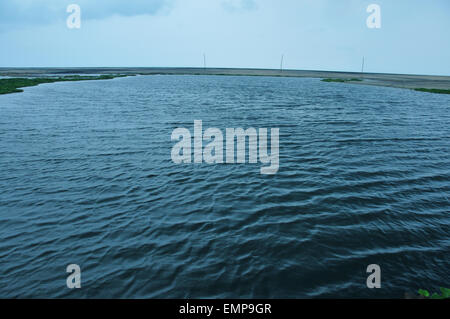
point(86, 178)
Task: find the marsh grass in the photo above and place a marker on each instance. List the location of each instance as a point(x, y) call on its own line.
point(342, 80)
point(438, 91)
point(445, 294)
point(15, 85)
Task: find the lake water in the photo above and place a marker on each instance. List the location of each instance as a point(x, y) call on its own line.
point(87, 178)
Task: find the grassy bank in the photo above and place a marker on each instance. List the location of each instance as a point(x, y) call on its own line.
point(342, 80)
point(438, 91)
point(15, 85)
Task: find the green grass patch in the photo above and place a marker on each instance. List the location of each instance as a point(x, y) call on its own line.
point(14, 85)
point(342, 80)
point(444, 294)
point(438, 91)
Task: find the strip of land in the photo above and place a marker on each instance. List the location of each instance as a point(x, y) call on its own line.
point(15, 85)
point(342, 80)
point(438, 91)
point(423, 83)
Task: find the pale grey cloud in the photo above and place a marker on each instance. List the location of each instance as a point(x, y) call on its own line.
point(27, 12)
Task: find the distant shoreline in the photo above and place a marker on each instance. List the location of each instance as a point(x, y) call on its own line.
point(423, 82)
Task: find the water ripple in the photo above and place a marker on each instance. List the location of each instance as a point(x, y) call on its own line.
point(87, 178)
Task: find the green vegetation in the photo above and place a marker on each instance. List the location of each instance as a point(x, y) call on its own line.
point(342, 80)
point(445, 294)
point(438, 91)
point(14, 85)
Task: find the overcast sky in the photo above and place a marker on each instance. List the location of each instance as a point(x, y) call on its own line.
point(312, 34)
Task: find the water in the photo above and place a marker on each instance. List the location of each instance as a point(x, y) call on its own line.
point(87, 178)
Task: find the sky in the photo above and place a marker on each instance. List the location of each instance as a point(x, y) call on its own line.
point(311, 34)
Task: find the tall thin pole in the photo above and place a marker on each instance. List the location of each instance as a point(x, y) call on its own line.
point(281, 64)
point(204, 61)
point(362, 68)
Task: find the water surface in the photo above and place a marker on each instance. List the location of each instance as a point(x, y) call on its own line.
point(87, 178)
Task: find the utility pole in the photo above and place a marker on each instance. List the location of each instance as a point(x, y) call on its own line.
point(362, 68)
point(281, 64)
